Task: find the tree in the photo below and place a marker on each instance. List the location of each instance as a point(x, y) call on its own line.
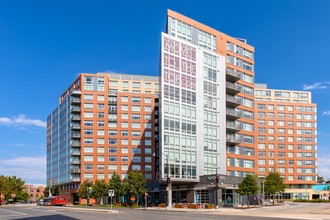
point(320, 179)
point(99, 189)
point(22, 196)
point(248, 186)
point(116, 185)
point(136, 184)
point(274, 184)
point(11, 185)
point(83, 191)
point(55, 191)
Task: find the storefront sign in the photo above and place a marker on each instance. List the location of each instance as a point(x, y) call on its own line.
point(211, 178)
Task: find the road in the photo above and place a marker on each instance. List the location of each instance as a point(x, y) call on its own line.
point(288, 211)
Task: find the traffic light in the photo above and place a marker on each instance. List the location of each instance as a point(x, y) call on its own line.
point(168, 180)
point(217, 181)
point(157, 176)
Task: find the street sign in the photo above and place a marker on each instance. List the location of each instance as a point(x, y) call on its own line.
point(111, 192)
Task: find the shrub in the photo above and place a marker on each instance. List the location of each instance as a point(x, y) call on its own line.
point(179, 205)
point(192, 206)
point(312, 201)
point(209, 206)
point(162, 205)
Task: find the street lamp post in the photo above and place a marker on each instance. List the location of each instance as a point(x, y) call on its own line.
point(263, 191)
point(168, 183)
point(216, 192)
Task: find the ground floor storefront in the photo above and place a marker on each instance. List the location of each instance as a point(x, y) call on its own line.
point(218, 189)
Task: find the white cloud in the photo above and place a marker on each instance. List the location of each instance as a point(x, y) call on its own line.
point(317, 85)
point(323, 166)
point(21, 121)
point(29, 169)
point(326, 113)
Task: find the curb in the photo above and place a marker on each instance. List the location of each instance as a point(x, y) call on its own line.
point(88, 210)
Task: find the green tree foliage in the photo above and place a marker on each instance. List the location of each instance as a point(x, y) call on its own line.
point(136, 184)
point(274, 184)
point(248, 186)
point(320, 179)
point(55, 191)
point(99, 189)
point(11, 185)
point(116, 185)
point(83, 190)
point(22, 196)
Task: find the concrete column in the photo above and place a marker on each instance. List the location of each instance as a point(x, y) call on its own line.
point(169, 195)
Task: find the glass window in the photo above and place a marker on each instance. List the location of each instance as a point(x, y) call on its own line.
point(112, 167)
point(136, 108)
point(100, 98)
point(124, 99)
point(112, 158)
point(124, 150)
point(136, 99)
point(88, 97)
point(147, 108)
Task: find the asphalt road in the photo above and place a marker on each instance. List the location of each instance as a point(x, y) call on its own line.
point(32, 212)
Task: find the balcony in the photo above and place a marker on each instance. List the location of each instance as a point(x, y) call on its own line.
point(112, 118)
point(233, 139)
point(233, 113)
point(75, 153)
point(232, 75)
point(113, 92)
point(76, 93)
point(75, 109)
point(75, 100)
point(232, 88)
point(233, 101)
point(75, 135)
point(75, 118)
point(75, 171)
point(112, 109)
point(233, 126)
point(75, 162)
point(75, 144)
point(75, 179)
point(75, 126)
point(112, 101)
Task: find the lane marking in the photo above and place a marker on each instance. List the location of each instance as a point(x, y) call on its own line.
point(20, 213)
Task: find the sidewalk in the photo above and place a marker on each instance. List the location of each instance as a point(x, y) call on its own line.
point(284, 211)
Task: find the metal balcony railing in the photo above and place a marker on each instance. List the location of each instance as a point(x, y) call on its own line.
point(234, 112)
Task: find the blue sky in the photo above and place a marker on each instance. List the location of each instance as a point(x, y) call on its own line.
point(44, 45)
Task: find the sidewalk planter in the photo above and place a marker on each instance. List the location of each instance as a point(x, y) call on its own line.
point(192, 206)
point(163, 205)
point(209, 206)
point(179, 205)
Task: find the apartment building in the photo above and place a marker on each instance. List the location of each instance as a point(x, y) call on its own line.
point(195, 127)
point(287, 138)
point(35, 191)
point(105, 123)
point(207, 107)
